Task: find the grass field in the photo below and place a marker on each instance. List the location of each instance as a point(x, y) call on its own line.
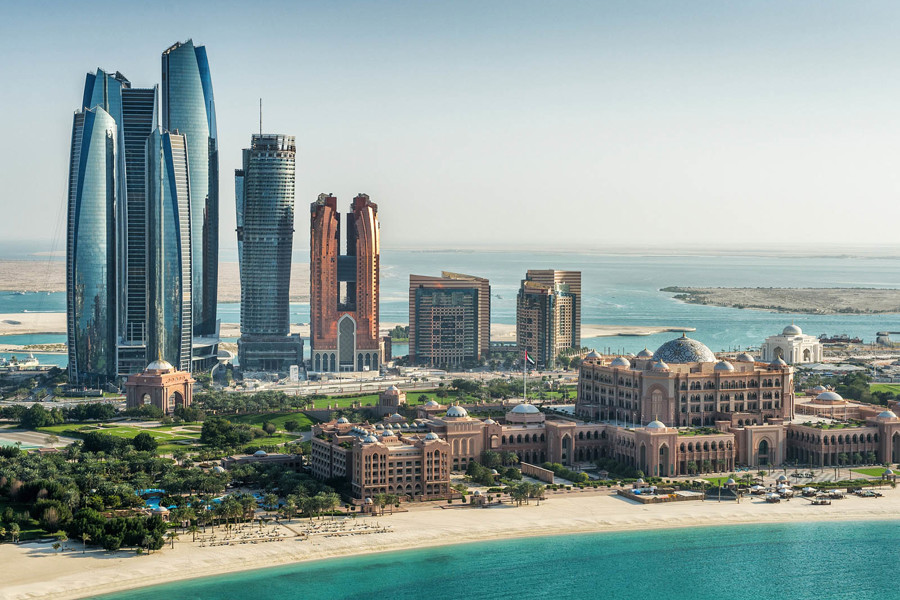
point(870, 471)
point(885, 387)
point(278, 418)
point(172, 437)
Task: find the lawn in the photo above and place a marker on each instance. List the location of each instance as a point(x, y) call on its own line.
point(870, 471)
point(885, 387)
point(278, 418)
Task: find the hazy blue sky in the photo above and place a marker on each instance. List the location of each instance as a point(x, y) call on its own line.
point(526, 123)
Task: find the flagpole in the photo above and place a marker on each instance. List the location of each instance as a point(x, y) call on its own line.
point(525, 378)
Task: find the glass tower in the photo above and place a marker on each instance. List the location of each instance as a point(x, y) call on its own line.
point(188, 107)
point(169, 249)
point(264, 193)
point(91, 249)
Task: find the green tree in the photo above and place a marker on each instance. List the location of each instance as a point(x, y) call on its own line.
point(291, 425)
point(144, 442)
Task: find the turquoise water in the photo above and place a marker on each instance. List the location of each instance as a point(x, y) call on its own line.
point(620, 290)
point(805, 561)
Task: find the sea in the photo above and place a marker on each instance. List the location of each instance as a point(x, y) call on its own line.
point(800, 561)
point(618, 289)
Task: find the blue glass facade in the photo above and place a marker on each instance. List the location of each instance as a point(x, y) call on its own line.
point(91, 248)
point(169, 250)
point(188, 107)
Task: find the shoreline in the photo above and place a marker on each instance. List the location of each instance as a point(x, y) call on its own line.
point(803, 300)
point(71, 575)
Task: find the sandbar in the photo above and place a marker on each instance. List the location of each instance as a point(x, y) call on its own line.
point(814, 301)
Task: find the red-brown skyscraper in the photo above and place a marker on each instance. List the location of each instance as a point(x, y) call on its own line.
point(343, 288)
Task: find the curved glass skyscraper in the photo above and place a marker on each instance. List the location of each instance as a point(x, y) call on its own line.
point(91, 248)
point(169, 250)
point(188, 107)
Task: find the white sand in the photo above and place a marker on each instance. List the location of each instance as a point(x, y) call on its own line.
point(37, 571)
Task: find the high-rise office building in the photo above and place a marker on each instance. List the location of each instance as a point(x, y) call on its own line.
point(449, 319)
point(343, 299)
point(264, 194)
point(169, 332)
point(188, 107)
point(91, 248)
point(548, 314)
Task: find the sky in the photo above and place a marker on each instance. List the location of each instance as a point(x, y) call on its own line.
point(519, 124)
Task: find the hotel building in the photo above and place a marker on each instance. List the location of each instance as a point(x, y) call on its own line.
point(548, 315)
point(343, 298)
point(449, 319)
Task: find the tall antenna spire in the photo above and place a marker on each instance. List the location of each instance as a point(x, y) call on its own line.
point(260, 116)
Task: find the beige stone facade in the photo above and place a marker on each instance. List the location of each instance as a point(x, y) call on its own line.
point(159, 385)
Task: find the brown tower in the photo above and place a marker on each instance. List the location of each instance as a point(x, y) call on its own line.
point(343, 288)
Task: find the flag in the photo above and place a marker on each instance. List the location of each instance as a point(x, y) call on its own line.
point(528, 359)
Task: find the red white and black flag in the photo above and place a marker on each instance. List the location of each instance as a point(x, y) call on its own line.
point(528, 359)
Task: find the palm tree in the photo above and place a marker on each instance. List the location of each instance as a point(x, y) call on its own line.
point(193, 529)
point(172, 535)
point(14, 531)
point(290, 507)
point(85, 538)
point(63, 538)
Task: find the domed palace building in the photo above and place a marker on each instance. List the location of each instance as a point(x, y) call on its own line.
point(687, 406)
point(792, 346)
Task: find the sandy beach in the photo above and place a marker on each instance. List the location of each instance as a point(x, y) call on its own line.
point(37, 571)
point(20, 323)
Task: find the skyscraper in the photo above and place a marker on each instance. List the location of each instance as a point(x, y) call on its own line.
point(169, 333)
point(134, 111)
point(91, 248)
point(449, 319)
point(548, 314)
point(343, 299)
point(188, 107)
point(264, 194)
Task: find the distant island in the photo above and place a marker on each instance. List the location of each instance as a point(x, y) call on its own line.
point(814, 301)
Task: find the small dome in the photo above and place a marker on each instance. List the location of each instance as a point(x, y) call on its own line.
point(659, 366)
point(888, 414)
point(494, 472)
point(620, 361)
point(260, 453)
point(342, 421)
point(490, 421)
point(820, 389)
point(218, 469)
point(641, 480)
point(160, 365)
point(396, 416)
point(684, 350)
point(792, 330)
point(387, 433)
point(730, 481)
point(593, 354)
point(431, 436)
point(525, 409)
point(379, 426)
point(369, 439)
point(431, 404)
point(368, 501)
point(392, 388)
point(405, 426)
point(645, 353)
point(745, 357)
point(778, 362)
point(476, 493)
point(724, 365)
point(888, 473)
point(829, 397)
point(655, 425)
point(781, 478)
point(457, 412)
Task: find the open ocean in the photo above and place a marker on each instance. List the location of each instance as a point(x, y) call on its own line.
point(617, 290)
point(800, 561)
